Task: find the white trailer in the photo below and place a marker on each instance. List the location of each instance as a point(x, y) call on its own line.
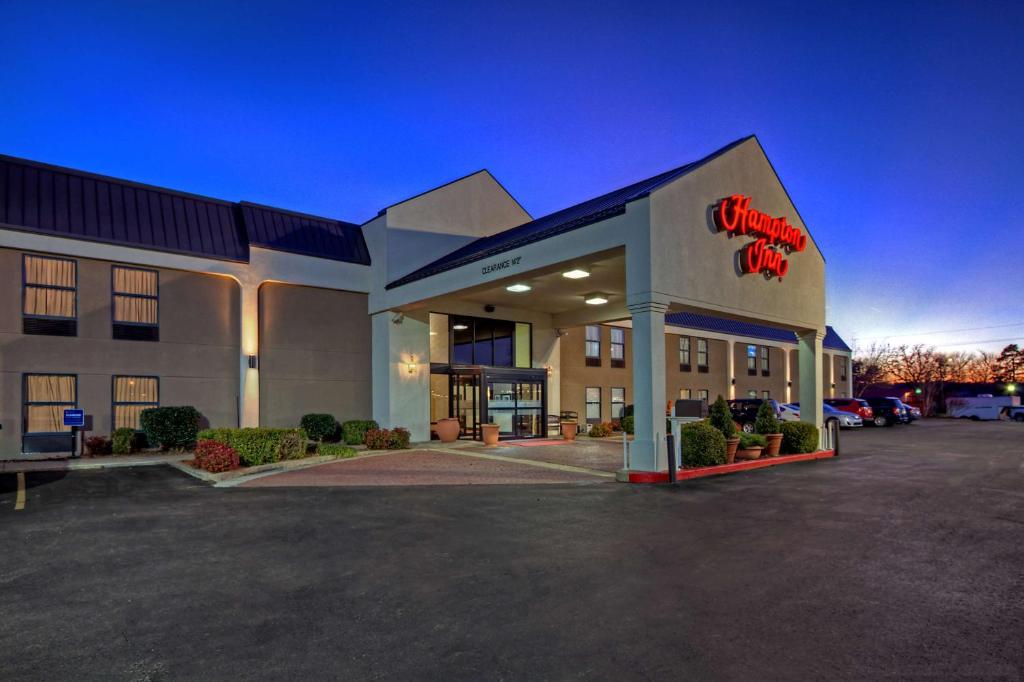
point(980, 407)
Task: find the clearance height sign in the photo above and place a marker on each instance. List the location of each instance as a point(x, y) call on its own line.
point(773, 238)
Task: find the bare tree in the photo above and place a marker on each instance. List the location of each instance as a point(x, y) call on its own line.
point(871, 367)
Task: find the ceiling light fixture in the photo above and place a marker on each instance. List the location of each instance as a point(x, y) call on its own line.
point(518, 288)
point(459, 327)
point(595, 299)
point(576, 274)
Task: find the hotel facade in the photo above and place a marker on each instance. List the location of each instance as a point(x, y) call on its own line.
point(698, 282)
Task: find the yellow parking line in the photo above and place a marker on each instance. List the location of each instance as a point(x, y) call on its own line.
point(19, 501)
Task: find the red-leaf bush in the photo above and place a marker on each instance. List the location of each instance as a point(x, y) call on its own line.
point(387, 439)
point(98, 445)
point(215, 457)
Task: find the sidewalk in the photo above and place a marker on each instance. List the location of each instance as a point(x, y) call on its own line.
point(82, 463)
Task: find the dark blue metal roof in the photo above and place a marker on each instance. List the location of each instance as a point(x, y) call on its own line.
point(599, 208)
point(724, 325)
point(38, 197)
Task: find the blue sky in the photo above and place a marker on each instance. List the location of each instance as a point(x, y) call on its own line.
point(895, 126)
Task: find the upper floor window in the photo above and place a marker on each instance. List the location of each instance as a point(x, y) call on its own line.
point(593, 346)
point(766, 368)
point(684, 353)
point(702, 355)
point(49, 296)
point(486, 341)
point(844, 364)
point(751, 360)
point(136, 303)
point(618, 347)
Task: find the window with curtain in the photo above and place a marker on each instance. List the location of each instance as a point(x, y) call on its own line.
point(593, 400)
point(702, 394)
point(593, 346)
point(46, 398)
point(131, 396)
point(751, 360)
point(766, 394)
point(618, 402)
point(684, 353)
point(136, 303)
point(618, 347)
point(49, 298)
point(702, 355)
point(766, 369)
point(684, 393)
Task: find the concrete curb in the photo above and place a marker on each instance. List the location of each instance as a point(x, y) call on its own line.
point(230, 479)
point(12, 466)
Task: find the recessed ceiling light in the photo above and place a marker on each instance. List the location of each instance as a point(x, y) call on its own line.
point(459, 327)
point(596, 299)
point(518, 288)
point(576, 274)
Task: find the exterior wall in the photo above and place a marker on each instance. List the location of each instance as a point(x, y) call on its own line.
point(774, 383)
point(715, 380)
point(196, 358)
point(314, 354)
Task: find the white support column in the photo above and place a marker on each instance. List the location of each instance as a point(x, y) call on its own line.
point(811, 375)
point(648, 448)
point(787, 375)
point(249, 384)
point(401, 372)
point(730, 369)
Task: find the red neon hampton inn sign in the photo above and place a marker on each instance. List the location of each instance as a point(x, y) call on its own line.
point(772, 236)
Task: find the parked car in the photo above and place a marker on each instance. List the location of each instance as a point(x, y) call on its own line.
point(1015, 413)
point(744, 411)
point(888, 411)
point(857, 406)
point(913, 413)
point(789, 412)
point(847, 420)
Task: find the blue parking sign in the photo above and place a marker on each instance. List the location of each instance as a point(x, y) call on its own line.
point(74, 417)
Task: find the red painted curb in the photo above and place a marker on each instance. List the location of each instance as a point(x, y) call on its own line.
point(702, 472)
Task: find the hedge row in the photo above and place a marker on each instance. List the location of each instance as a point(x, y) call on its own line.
point(257, 446)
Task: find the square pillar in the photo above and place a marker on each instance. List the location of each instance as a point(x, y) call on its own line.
point(647, 452)
point(811, 377)
point(401, 372)
point(249, 377)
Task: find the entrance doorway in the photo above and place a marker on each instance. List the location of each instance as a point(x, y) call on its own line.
point(514, 399)
point(517, 407)
point(465, 404)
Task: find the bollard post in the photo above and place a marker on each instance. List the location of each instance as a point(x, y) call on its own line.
point(670, 440)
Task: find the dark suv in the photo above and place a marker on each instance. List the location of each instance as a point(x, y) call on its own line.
point(744, 411)
point(888, 411)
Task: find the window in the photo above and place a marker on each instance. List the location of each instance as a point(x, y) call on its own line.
point(685, 393)
point(684, 353)
point(485, 341)
point(136, 303)
point(46, 398)
point(618, 346)
point(702, 355)
point(132, 395)
point(766, 394)
point(752, 360)
point(49, 296)
point(766, 368)
point(843, 369)
point(593, 346)
point(593, 399)
point(702, 394)
point(752, 393)
point(618, 402)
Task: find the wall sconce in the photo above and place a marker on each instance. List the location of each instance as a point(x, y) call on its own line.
point(789, 384)
point(411, 365)
point(833, 385)
point(550, 369)
point(254, 362)
point(734, 381)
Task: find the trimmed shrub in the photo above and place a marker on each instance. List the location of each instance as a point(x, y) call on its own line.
point(765, 421)
point(720, 417)
point(320, 427)
point(602, 430)
point(387, 439)
point(98, 445)
point(122, 441)
point(627, 424)
point(257, 446)
point(752, 440)
point(335, 450)
point(215, 457)
point(171, 427)
point(702, 445)
point(353, 432)
point(798, 438)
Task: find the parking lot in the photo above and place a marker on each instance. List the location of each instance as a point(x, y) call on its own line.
point(902, 558)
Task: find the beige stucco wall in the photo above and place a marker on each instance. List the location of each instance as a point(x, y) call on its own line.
point(196, 357)
point(775, 382)
point(314, 354)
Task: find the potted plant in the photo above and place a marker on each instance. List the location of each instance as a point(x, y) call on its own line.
point(767, 425)
point(568, 430)
point(447, 429)
point(721, 418)
point(751, 445)
point(490, 432)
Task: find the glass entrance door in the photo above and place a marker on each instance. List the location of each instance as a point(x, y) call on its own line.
point(517, 407)
point(465, 406)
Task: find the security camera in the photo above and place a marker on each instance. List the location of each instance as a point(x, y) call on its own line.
point(397, 318)
point(488, 308)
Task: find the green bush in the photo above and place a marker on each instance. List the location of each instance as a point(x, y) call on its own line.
point(702, 445)
point(257, 446)
point(171, 427)
point(627, 424)
point(122, 441)
point(720, 417)
point(353, 432)
point(752, 440)
point(798, 438)
point(335, 450)
point(765, 422)
point(320, 427)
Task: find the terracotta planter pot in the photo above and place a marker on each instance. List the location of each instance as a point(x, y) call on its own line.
point(748, 453)
point(774, 443)
point(447, 429)
point(490, 433)
point(730, 449)
point(568, 430)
